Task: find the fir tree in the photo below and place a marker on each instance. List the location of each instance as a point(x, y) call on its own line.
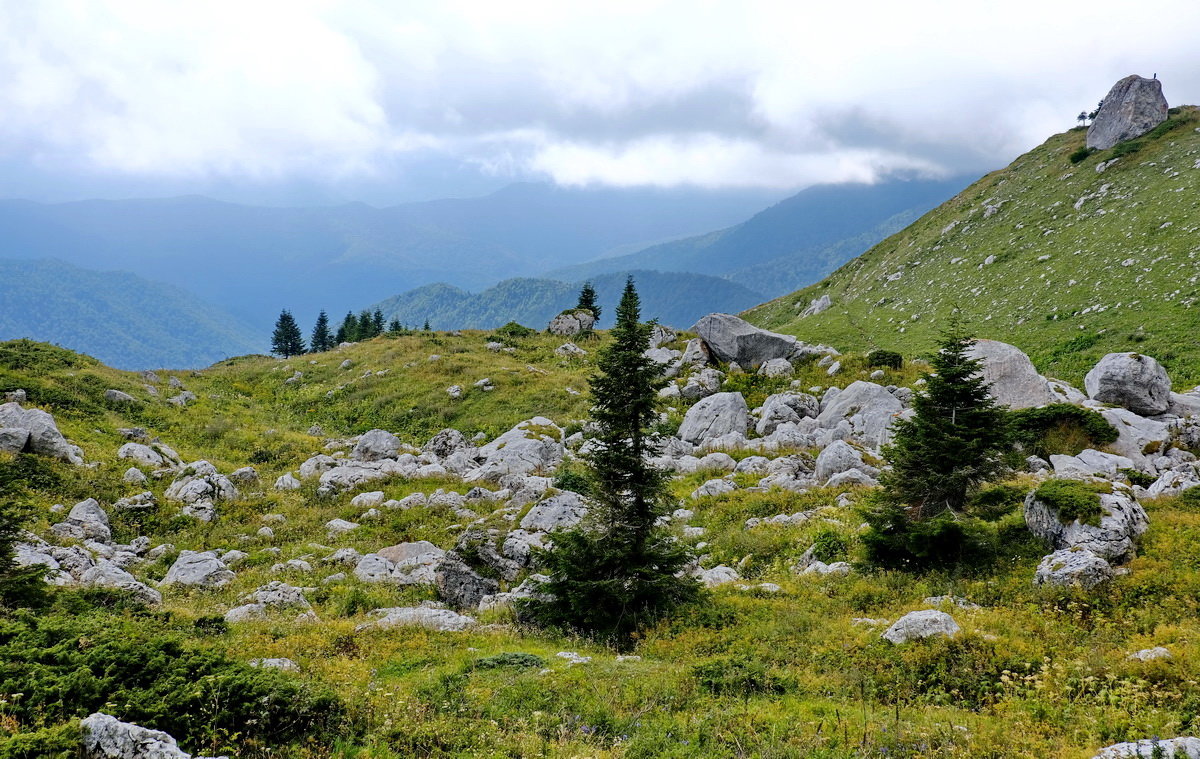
point(366, 324)
point(348, 332)
point(395, 327)
point(377, 322)
point(287, 340)
point(587, 299)
point(19, 586)
point(617, 572)
point(321, 340)
point(425, 327)
point(956, 439)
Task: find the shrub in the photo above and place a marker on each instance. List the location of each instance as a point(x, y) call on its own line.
point(1080, 154)
point(995, 501)
point(1073, 499)
point(514, 330)
point(1061, 428)
point(573, 478)
point(885, 359)
point(510, 660)
point(829, 545)
point(1138, 477)
point(739, 676)
point(897, 541)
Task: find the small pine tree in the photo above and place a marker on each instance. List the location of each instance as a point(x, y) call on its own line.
point(366, 324)
point(377, 322)
point(287, 341)
point(425, 327)
point(348, 332)
point(618, 572)
point(395, 327)
point(587, 299)
point(956, 439)
point(321, 340)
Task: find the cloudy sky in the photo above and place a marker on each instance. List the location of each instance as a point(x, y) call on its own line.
point(321, 101)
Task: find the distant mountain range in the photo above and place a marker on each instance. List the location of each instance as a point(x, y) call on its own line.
point(676, 299)
point(121, 319)
point(794, 242)
point(253, 261)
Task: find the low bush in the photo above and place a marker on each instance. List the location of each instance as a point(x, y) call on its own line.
point(1080, 154)
point(1137, 477)
point(514, 330)
point(885, 359)
point(1061, 428)
point(1073, 499)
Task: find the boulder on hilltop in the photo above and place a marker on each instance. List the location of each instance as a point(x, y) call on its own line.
point(1133, 106)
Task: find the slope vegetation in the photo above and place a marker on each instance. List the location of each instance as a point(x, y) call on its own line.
point(1067, 260)
point(120, 318)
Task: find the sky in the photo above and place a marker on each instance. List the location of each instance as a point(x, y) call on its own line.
point(320, 101)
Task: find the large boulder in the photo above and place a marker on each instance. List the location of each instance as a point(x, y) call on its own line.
point(869, 408)
point(572, 322)
point(1133, 106)
point(1121, 522)
point(838, 457)
point(1169, 748)
point(43, 435)
point(375, 446)
point(1013, 379)
point(427, 615)
point(1138, 439)
point(558, 512)
point(732, 339)
point(86, 521)
point(925, 623)
point(531, 447)
point(1131, 380)
point(714, 416)
point(1073, 567)
point(201, 569)
point(460, 586)
point(106, 737)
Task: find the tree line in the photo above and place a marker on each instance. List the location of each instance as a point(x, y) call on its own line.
point(287, 340)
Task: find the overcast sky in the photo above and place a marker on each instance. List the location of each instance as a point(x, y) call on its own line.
point(385, 101)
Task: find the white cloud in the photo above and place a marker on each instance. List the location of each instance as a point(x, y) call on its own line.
point(619, 92)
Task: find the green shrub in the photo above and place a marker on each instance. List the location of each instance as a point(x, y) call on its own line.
point(1125, 148)
point(830, 545)
point(1137, 477)
point(1073, 499)
point(510, 660)
point(514, 330)
point(1061, 428)
point(896, 541)
point(995, 501)
point(1080, 154)
point(739, 676)
point(573, 478)
point(885, 359)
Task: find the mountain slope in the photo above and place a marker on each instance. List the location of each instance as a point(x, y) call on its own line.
point(122, 319)
point(1062, 259)
point(253, 261)
point(673, 298)
point(794, 242)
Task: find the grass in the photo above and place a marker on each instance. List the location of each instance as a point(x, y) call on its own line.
point(1036, 672)
point(1085, 263)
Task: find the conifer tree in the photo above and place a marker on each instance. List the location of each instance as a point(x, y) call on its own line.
point(348, 332)
point(19, 586)
point(321, 340)
point(287, 340)
point(425, 327)
point(587, 299)
point(617, 571)
point(366, 324)
point(377, 322)
point(957, 437)
point(395, 326)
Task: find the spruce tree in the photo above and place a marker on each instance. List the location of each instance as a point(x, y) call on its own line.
point(348, 332)
point(587, 299)
point(321, 340)
point(377, 322)
point(617, 571)
point(425, 327)
point(395, 327)
point(366, 324)
point(287, 340)
point(19, 586)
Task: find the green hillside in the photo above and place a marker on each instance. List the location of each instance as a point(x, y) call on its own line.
point(1059, 258)
point(121, 318)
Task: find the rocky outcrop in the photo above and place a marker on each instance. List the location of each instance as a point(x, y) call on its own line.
point(34, 431)
point(868, 408)
point(1070, 567)
point(925, 623)
point(818, 305)
point(460, 586)
point(106, 737)
point(532, 446)
point(1131, 380)
point(429, 615)
point(1169, 748)
point(1013, 380)
point(1122, 521)
point(714, 416)
point(730, 339)
point(1133, 106)
point(572, 322)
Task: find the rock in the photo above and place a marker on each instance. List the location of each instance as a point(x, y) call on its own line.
point(285, 664)
point(447, 443)
point(1013, 379)
point(572, 322)
point(702, 383)
point(428, 616)
point(558, 512)
point(279, 595)
point(13, 439)
point(460, 586)
point(15, 396)
point(1073, 567)
point(715, 416)
point(569, 350)
point(43, 435)
point(335, 527)
point(142, 454)
point(1155, 748)
point(132, 476)
point(695, 353)
point(200, 569)
point(869, 408)
point(287, 482)
point(714, 487)
point(1123, 520)
point(660, 336)
point(116, 396)
point(1138, 438)
point(839, 456)
point(925, 623)
point(375, 446)
point(730, 339)
point(246, 475)
point(532, 446)
point(86, 521)
point(1131, 380)
point(454, 391)
point(182, 399)
point(783, 408)
point(818, 305)
point(1133, 106)
point(718, 575)
point(777, 367)
point(1150, 654)
point(367, 500)
point(106, 737)
point(821, 568)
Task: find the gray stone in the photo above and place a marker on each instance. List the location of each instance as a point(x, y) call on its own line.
point(106, 574)
point(702, 383)
point(1123, 520)
point(44, 437)
point(925, 623)
point(427, 615)
point(558, 512)
point(839, 456)
point(869, 408)
point(116, 396)
point(13, 439)
point(335, 527)
point(730, 339)
point(142, 454)
point(200, 569)
point(1154, 748)
point(446, 443)
point(714, 416)
point(1013, 379)
point(532, 446)
point(570, 350)
point(1073, 567)
point(572, 322)
point(777, 367)
point(1133, 106)
point(376, 445)
point(1138, 438)
point(1131, 380)
point(284, 664)
point(106, 737)
point(459, 585)
point(818, 305)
